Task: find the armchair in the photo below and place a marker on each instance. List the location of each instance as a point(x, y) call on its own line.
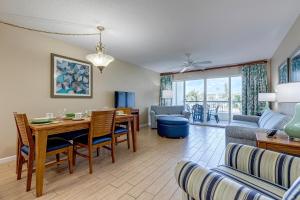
point(248, 173)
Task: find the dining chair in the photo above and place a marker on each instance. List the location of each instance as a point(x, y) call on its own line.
point(197, 112)
point(101, 134)
point(26, 149)
point(214, 113)
point(122, 129)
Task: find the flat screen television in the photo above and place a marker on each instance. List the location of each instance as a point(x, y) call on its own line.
point(124, 99)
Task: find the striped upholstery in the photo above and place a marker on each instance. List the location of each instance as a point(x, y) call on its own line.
point(271, 166)
point(249, 173)
point(200, 183)
point(266, 188)
point(294, 192)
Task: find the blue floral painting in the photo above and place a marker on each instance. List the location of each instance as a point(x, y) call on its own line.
point(70, 77)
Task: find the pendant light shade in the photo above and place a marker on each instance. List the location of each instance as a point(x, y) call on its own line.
point(100, 59)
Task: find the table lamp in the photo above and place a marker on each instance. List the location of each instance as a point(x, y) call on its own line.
point(267, 97)
point(166, 94)
point(290, 93)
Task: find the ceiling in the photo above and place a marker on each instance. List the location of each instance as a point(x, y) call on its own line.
point(155, 34)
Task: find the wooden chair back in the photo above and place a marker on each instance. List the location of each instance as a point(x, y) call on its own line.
point(102, 123)
point(24, 132)
point(126, 111)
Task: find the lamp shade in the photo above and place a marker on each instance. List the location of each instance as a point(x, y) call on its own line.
point(268, 97)
point(99, 59)
point(167, 94)
point(289, 93)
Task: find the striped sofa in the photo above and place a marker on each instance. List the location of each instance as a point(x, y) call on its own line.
point(249, 173)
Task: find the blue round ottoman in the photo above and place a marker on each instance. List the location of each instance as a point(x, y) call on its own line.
point(172, 127)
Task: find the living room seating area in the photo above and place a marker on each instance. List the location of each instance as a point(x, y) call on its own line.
point(150, 100)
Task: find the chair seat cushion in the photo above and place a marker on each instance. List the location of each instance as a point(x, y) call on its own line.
point(71, 135)
point(171, 120)
point(120, 130)
point(53, 144)
point(97, 140)
point(262, 186)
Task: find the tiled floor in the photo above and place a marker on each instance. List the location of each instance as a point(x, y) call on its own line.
point(146, 174)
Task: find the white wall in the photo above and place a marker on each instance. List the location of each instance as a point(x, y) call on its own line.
point(25, 81)
point(285, 49)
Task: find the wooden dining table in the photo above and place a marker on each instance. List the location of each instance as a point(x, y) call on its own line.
point(42, 132)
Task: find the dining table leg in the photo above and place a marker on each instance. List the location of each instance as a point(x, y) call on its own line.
point(133, 134)
point(18, 154)
point(40, 157)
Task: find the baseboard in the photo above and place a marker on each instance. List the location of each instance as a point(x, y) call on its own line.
point(7, 159)
point(144, 125)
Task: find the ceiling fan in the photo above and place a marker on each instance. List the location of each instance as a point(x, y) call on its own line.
point(190, 64)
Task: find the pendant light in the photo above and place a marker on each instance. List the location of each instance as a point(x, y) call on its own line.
point(100, 59)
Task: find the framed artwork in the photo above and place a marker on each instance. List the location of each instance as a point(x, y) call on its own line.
point(283, 72)
point(295, 66)
point(70, 78)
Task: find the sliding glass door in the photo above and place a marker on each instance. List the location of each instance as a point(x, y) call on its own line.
point(217, 99)
point(217, 103)
point(194, 93)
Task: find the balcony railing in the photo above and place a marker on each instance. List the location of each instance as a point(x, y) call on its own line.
point(236, 106)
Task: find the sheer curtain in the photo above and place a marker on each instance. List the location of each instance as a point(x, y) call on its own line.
point(165, 84)
point(255, 80)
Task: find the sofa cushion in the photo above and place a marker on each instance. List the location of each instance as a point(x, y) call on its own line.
point(265, 116)
point(168, 110)
point(263, 187)
point(243, 124)
point(241, 132)
point(272, 120)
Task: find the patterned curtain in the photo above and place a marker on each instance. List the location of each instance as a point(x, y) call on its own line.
point(165, 84)
point(255, 81)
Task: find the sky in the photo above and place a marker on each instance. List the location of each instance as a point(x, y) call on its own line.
point(215, 85)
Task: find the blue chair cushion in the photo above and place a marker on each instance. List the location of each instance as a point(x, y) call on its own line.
point(120, 130)
point(171, 120)
point(53, 144)
point(71, 135)
point(97, 140)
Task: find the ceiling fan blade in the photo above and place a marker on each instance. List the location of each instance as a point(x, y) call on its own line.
point(202, 62)
point(183, 69)
point(189, 67)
